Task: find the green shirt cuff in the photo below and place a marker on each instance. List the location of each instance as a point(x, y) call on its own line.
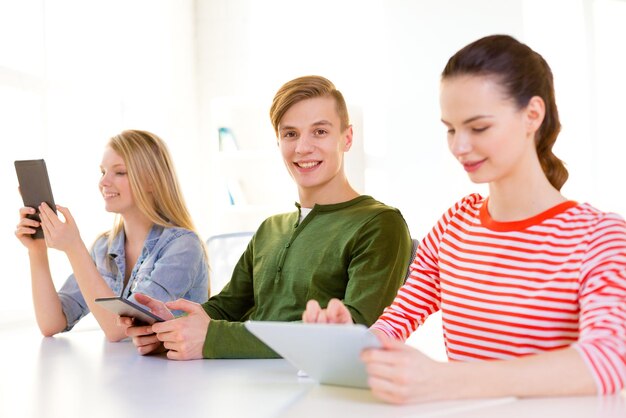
point(225, 339)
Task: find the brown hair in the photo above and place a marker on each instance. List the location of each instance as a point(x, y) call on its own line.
point(303, 88)
point(523, 74)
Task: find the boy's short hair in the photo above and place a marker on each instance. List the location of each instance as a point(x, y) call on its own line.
point(307, 87)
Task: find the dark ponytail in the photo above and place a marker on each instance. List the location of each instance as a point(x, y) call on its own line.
point(524, 74)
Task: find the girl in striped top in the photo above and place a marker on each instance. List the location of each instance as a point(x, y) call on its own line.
point(526, 279)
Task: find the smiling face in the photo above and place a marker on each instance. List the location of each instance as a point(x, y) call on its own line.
point(114, 184)
point(487, 133)
point(312, 145)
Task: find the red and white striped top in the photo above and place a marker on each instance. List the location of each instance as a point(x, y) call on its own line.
point(508, 289)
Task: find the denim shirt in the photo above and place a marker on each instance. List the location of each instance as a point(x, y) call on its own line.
point(172, 265)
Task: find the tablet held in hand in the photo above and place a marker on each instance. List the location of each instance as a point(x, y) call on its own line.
point(125, 307)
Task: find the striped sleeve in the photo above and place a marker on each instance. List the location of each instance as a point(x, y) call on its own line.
point(420, 296)
point(602, 333)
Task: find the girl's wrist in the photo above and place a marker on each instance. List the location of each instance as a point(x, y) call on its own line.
point(37, 249)
point(76, 249)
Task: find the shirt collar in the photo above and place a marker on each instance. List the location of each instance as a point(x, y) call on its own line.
point(116, 249)
point(336, 206)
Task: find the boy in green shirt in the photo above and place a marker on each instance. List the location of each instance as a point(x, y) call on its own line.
point(338, 244)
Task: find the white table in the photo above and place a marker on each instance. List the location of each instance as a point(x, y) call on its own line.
point(79, 374)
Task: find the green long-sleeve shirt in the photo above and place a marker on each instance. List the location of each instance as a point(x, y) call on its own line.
point(357, 251)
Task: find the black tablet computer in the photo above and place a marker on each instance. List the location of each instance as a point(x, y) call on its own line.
point(32, 176)
point(125, 307)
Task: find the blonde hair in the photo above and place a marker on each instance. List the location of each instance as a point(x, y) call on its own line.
point(302, 88)
point(152, 179)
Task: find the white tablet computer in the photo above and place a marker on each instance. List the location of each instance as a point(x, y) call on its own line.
point(329, 353)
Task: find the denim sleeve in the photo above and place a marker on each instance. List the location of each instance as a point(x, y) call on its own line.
point(178, 270)
point(72, 302)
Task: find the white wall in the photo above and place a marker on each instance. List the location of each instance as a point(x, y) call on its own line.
point(73, 73)
point(388, 64)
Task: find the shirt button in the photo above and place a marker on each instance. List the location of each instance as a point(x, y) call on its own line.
point(280, 269)
point(287, 246)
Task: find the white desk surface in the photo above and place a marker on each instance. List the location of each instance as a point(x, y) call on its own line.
point(79, 374)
